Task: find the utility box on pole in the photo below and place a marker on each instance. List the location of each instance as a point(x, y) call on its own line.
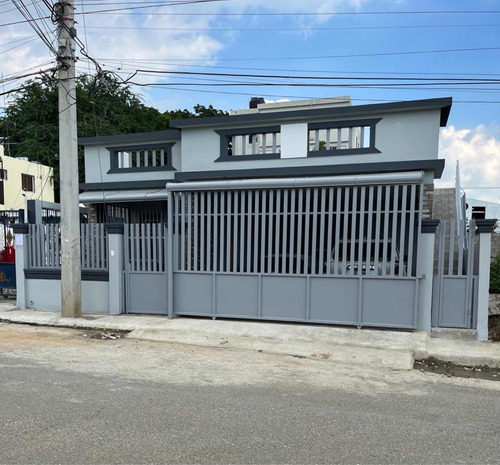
point(71, 293)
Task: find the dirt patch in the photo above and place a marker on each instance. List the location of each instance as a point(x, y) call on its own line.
point(104, 334)
point(494, 327)
point(432, 365)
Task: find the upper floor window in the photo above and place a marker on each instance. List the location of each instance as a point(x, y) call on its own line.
point(28, 182)
point(342, 137)
point(3, 174)
point(250, 143)
point(141, 158)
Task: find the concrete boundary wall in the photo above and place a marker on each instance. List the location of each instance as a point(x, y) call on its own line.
point(45, 294)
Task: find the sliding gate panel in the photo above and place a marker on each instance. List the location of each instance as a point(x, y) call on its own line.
point(145, 268)
point(342, 255)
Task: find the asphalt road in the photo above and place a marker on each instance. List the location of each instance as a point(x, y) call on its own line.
point(67, 398)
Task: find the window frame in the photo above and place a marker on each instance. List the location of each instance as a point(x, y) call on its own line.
point(32, 182)
point(224, 134)
point(371, 123)
point(114, 151)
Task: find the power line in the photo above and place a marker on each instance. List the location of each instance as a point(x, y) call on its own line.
point(33, 23)
point(293, 29)
point(336, 78)
point(19, 45)
point(171, 62)
point(17, 40)
point(358, 55)
point(331, 13)
point(191, 90)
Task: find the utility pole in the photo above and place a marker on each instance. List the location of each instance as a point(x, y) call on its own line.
point(71, 291)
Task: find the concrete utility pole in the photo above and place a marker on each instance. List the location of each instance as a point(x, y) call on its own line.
point(71, 291)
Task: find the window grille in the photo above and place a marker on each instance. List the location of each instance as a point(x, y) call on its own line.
point(141, 158)
point(347, 137)
point(251, 143)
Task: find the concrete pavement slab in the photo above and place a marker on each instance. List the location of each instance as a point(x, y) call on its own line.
point(384, 348)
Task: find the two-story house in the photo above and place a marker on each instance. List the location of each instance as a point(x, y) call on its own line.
point(301, 211)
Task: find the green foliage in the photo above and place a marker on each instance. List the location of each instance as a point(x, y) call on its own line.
point(495, 275)
point(105, 107)
point(200, 111)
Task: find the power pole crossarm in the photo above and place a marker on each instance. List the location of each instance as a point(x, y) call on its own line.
point(71, 294)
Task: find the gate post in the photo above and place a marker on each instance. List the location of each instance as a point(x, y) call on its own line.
point(115, 268)
point(22, 253)
point(484, 228)
point(169, 265)
point(426, 273)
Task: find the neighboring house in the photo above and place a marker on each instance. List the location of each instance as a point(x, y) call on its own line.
point(22, 180)
point(314, 211)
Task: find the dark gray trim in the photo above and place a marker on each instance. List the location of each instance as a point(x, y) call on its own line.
point(485, 226)
point(348, 123)
point(141, 170)
point(55, 274)
point(113, 158)
point(129, 185)
point(267, 156)
point(225, 133)
point(444, 104)
point(248, 131)
point(20, 228)
point(126, 138)
point(429, 226)
point(341, 152)
point(321, 170)
point(114, 228)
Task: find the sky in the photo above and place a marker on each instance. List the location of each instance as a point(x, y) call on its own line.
point(369, 39)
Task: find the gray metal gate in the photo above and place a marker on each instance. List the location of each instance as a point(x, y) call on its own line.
point(454, 277)
point(337, 254)
point(145, 269)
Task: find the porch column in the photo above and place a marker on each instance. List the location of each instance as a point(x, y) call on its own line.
point(426, 271)
point(22, 255)
point(115, 268)
point(484, 229)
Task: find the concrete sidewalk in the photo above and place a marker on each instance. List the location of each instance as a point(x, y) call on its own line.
point(379, 348)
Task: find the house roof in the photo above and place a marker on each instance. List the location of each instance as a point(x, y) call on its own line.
point(172, 134)
point(444, 104)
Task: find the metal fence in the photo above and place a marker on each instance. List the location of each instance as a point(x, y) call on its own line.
point(338, 231)
point(145, 247)
point(45, 246)
point(454, 280)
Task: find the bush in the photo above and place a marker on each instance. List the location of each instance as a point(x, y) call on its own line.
point(495, 275)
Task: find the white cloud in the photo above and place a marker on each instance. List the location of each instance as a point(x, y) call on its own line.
point(478, 152)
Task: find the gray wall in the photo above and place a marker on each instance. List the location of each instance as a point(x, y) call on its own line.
point(45, 294)
point(400, 136)
point(94, 170)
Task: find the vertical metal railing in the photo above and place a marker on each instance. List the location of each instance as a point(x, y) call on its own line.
point(340, 231)
point(144, 247)
point(45, 246)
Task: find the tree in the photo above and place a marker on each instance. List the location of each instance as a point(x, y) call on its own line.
point(105, 107)
point(200, 111)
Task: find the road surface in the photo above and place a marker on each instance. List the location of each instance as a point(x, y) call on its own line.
point(68, 398)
